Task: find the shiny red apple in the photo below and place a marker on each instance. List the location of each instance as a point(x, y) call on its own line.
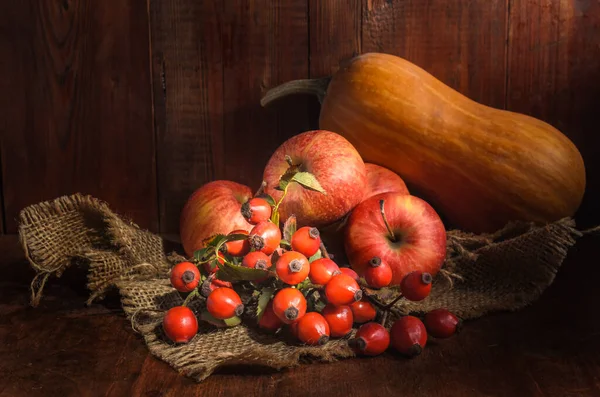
point(415, 240)
point(336, 165)
point(215, 208)
point(383, 180)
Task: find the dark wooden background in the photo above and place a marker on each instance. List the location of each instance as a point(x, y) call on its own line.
point(139, 102)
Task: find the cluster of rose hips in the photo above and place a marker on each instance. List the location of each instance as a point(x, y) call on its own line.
point(300, 289)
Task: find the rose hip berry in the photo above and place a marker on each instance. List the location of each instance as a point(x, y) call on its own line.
point(269, 320)
point(265, 237)
point(185, 277)
point(441, 323)
point(349, 272)
point(289, 305)
point(363, 311)
point(409, 336)
point(342, 290)
point(306, 240)
point(416, 285)
point(256, 210)
point(378, 273)
point(180, 324)
point(321, 271)
point(237, 247)
point(371, 339)
point(256, 260)
point(224, 303)
point(313, 329)
point(339, 318)
point(292, 267)
point(211, 284)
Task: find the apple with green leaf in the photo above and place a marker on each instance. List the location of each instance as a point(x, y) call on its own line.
point(321, 175)
point(402, 230)
point(214, 208)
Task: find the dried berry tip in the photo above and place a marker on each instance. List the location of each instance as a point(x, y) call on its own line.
point(426, 278)
point(246, 211)
point(187, 276)
point(295, 266)
point(335, 273)
point(358, 343)
point(239, 310)
point(313, 232)
point(375, 261)
point(291, 313)
point(261, 264)
point(256, 242)
point(358, 295)
point(414, 350)
point(323, 339)
point(206, 289)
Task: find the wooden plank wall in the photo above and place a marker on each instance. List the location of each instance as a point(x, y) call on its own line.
point(140, 102)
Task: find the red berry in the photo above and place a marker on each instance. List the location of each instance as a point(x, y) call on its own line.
point(306, 240)
point(440, 323)
point(416, 285)
point(313, 329)
point(371, 339)
point(180, 324)
point(269, 321)
point(292, 267)
point(257, 260)
point(342, 290)
point(185, 277)
point(289, 305)
point(224, 303)
point(409, 336)
point(237, 247)
point(211, 284)
point(256, 210)
point(363, 311)
point(378, 274)
point(350, 272)
point(265, 237)
point(339, 319)
point(321, 271)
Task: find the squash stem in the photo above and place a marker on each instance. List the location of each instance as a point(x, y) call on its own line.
point(316, 87)
point(387, 225)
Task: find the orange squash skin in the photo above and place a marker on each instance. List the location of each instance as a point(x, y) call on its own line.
point(479, 166)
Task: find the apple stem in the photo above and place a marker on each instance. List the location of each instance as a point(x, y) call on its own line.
point(387, 225)
point(324, 252)
point(261, 189)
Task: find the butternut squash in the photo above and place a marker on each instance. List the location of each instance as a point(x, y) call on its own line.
point(480, 167)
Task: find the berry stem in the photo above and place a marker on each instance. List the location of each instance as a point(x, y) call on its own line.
point(324, 252)
point(275, 214)
point(191, 296)
point(384, 318)
point(374, 300)
point(261, 189)
point(387, 225)
point(392, 303)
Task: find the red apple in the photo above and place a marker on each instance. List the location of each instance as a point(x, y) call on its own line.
point(336, 165)
point(214, 208)
point(383, 180)
point(419, 241)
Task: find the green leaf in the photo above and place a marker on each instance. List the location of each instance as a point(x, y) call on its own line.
point(230, 322)
point(275, 217)
point(202, 255)
point(235, 237)
point(316, 256)
point(263, 301)
point(269, 198)
point(283, 184)
point(230, 272)
point(289, 227)
point(308, 180)
point(285, 242)
point(319, 306)
point(215, 241)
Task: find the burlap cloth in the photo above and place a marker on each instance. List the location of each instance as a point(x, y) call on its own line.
point(505, 270)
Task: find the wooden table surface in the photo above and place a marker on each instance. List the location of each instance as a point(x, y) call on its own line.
point(63, 348)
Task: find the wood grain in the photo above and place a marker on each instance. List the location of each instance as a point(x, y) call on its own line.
point(76, 110)
point(63, 348)
point(212, 61)
point(462, 43)
point(554, 75)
